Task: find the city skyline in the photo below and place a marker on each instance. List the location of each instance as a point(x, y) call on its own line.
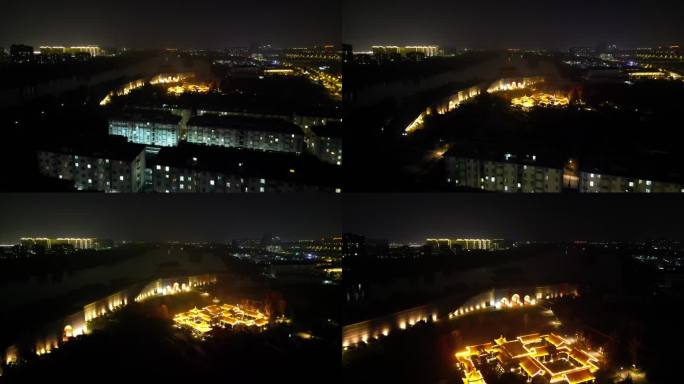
point(182, 218)
point(511, 25)
point(204, 24)
point(415, 217)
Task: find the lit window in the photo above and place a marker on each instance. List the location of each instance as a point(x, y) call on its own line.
point(166, 169)
point(88, 166)
point(76, 164)
point(591, 183)
point(182, 178)
point(648, 182)
point(158, 167)
point(90, 181)
point(212, 182)
point(261, 189)
point(591, 175)
point(631, 183)
point(263, 181)
point(121, 178)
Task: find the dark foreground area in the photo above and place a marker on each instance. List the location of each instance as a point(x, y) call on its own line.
point(137, 344)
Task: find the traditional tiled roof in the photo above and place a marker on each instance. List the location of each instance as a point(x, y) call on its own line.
point(581, 376)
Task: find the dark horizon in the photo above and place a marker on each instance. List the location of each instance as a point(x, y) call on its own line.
point(168, 218)
point(406, 218)
point(535, 24)
point(201, 24)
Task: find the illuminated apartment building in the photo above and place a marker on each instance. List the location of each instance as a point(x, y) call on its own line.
point(48, 243)
point(149, 127)
point(504, 175)
point(466, 244)
point(115, 166)
point(92, 50)
point(303, 120)
point(199, 168)
point(393, 50)
point(595, 182)
point(246, 132)
point(325, 142)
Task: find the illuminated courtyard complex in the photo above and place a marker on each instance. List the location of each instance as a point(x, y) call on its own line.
point(203, 320)
point(540, 99)
point(558, 359)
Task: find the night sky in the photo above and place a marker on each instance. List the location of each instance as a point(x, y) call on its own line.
point(161, 217)
point(169, 23)
point(512, 24)
point(410, 217)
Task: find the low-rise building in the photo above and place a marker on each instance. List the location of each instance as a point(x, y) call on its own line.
point(114, 166)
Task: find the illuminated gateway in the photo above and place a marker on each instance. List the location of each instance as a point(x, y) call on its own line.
point(550, 356)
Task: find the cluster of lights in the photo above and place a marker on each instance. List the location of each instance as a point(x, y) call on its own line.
point(461, 97)
point(169, 290)
point(133, 85)
point(402, 324)
point(507, 85)
point(505, 303)
point(331, 82)
point(123, 91)
point(188, 88)
point(170, 79)
point(532, 355)
point(201, 321)
point(540, 99)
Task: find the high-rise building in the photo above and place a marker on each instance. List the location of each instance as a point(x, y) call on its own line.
point(50, 242)
point(465, 244)
point(91, 50)
point(392, 52)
